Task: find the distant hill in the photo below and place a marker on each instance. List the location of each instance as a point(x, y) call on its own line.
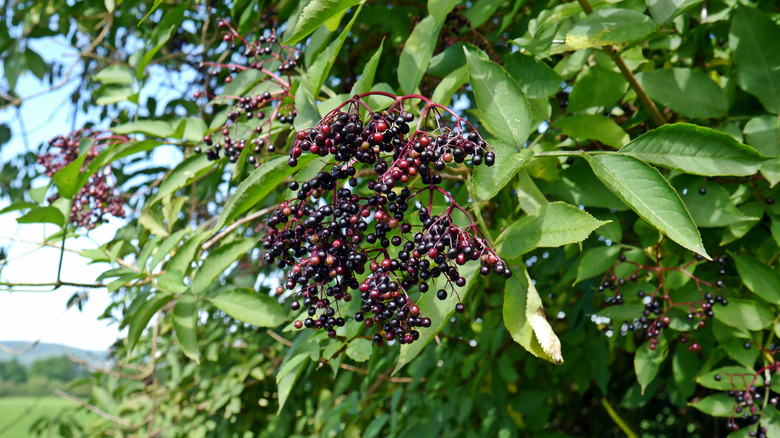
point(42, 350)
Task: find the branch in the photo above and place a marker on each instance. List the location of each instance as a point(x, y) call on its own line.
point(94, 409)
point(55, 284)
point(235, 225)
point(656, 115)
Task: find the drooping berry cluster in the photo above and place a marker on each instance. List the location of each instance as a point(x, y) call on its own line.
point(251, 116)
point(658, 304)
point(99, 196)
point(336, 237)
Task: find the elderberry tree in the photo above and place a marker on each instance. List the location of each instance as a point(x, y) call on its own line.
point(463, 183)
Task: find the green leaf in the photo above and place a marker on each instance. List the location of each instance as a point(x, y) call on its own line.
point(623, 312)
point(111, 94)
point(251, 307)
point(438, 9)
point(726, 383)
point(770, 169)
point(664, 11)
point(67, 178)
point(139, 319)
point(525, 320)
point(316, 13)
point(757, 60)
point(715, 208)
point(758, 277)
point(359, 349)
point(553, 224)
point(218, 261)
point(366, 80)
point(647, 362)
point(153, 224)
point(596, 87)
point(114, 74)
point(155, 128)
point(763, 133)
point(689, 92)
point(596, 261)
point(318, 72)
point(417, 53)
point(595, 127)
point(160, 41)
point(192, 168)
point(481, 11)
point(500, 100)
point(718, 405)
point(257, 186)
point(185, 317)
point(245, 81)
point(745, 314)
point(39, 215)
point(646, 191)
point(609, 26)
point(696, 150)
point(488, 181)
point(439, 311)
point(536, 79)
point(451, 83)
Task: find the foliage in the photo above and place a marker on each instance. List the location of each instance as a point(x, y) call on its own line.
point(632, 197)
point(12, 371)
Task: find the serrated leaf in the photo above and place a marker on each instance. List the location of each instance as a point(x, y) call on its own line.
point(139, 319)
point(596, 261)
point(623, 312)
point(315, 14)
point(609, 26)
point(525, 320)
point(647, 192)
point(185, 325)
point(488, 181)
point(554, 224)
point(67, 178)
point(696, 150)
point(417, 53)
point(155, 128)
point(257, 186)
point(594, 127)
point(715, 208)
point(218, 261)
point(745, 314)
point(536, 79)
point(757, 62)
point(500, 100)
point(718, 405)
point(192, 168)
point(111, 94)
point(41, 215)
point(317, 73)
point(689, 92)
point(249, 306)
point(596, 87)
point(758, 277)
point(726, 383)
point(359, 349)
point(647, 362)
point(664, 11)
point(153, 224)
point(366, 80)
point(115, 74)
point(763, 133)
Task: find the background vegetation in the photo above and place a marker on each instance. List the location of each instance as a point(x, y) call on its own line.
point(633, 197)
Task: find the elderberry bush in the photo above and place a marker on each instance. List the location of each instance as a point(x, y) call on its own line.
point(336, 241)
point(266, 65)
point(99, 196)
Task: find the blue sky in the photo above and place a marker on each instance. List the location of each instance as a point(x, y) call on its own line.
point(33, 316)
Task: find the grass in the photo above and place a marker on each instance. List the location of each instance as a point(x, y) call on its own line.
point(13, 408)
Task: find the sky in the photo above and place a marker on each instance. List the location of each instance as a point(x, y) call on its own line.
point(43, 316)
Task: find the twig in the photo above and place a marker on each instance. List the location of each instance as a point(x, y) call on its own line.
point(21, 351)
point(616, 418)
point(94, 409)
point(54, 284)
point(278, 338)
point(209, 243)
point(656, 115)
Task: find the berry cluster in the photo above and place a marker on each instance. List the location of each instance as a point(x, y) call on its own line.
point(98, 197)
point(334, 233)
point(655, 316)
point(248, 120)
point(749, 397)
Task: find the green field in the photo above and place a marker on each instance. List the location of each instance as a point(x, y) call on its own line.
point(11, 408)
